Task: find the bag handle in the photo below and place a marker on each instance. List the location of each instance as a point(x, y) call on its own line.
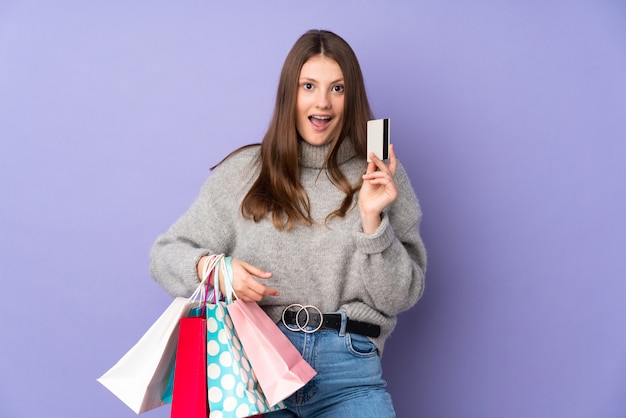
point(219, 267)
point(200, 292)
point(229, 279)
point(211, 270)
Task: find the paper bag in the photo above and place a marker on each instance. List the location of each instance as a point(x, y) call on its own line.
point(139, 378)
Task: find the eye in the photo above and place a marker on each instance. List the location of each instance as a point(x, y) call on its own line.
point(308, 86)
point(338, 88)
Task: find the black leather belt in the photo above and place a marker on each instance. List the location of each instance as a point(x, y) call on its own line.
point(309, 316)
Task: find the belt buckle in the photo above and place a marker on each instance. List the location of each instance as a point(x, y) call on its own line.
point(302, 327)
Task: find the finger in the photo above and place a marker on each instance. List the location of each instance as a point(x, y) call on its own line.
point(256, 292)
point(255, 271)
point(380, 180)
point(378, 175)
point(371, 166)
point(245, 292)
point(262, 289)
point(380, 164)
point(249, 285)
point(393, 161)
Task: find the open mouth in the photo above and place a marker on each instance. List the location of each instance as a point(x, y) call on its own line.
point(320, 121)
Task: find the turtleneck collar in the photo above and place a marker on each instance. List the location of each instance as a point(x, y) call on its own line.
point(314, 156)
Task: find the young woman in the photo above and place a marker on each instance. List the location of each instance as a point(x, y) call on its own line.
point(326, 243)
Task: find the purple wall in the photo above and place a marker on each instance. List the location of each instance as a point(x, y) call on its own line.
point(511, 119)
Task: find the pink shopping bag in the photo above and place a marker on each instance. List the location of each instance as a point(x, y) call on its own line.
point(279, 367)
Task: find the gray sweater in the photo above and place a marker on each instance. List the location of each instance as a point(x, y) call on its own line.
point(334, 266)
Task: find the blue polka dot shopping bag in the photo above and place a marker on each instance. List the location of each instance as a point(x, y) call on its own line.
point(233, 390)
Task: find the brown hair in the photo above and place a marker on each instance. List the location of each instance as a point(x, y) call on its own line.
point(278, 189)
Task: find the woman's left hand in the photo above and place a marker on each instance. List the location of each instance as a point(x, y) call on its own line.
point(378, 191)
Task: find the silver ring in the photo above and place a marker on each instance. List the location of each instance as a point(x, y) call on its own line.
point(302, 327)
point(306, 308)
point(285, 322)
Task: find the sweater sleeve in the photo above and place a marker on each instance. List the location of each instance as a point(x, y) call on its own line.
point(393, 259)
point(201, 230)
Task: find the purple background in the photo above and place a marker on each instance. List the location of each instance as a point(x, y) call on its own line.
point(511, 120)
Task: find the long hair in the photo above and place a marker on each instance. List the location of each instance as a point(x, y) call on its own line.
point(278, 189)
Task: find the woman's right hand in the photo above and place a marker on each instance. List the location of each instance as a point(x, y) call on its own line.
point(245, 285)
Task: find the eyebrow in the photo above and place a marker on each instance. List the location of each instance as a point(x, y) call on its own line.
point(340, 80)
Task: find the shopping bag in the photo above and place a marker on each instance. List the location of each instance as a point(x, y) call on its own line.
point(189, 384)
point(139, 378)
point(279, 367)
point(189, 394)
point(169, 388)
point(233, 391)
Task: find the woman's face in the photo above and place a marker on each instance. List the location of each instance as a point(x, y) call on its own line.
point(319, 100)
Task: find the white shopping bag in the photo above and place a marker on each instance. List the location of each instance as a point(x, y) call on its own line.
point(139, 378)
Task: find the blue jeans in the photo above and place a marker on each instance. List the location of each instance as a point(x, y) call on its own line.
point(349, 379)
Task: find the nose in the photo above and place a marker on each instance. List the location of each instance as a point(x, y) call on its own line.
point(322, 99)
